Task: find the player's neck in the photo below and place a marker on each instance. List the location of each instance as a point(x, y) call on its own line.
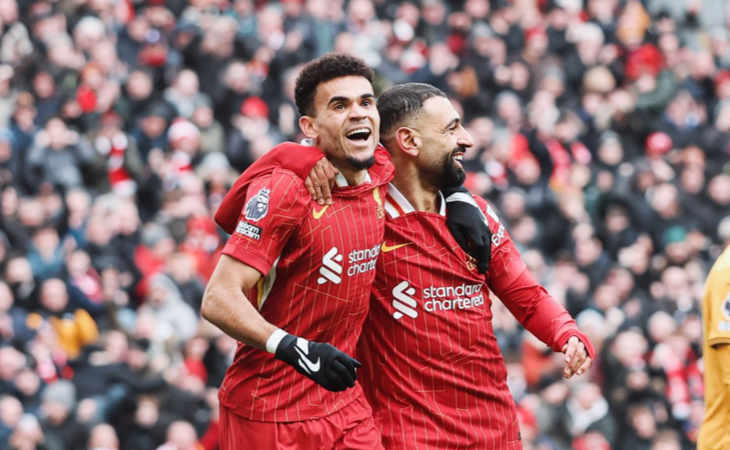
point(353, 177)
point(422, 197)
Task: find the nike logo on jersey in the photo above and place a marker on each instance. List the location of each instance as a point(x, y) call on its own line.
point(385, 248)
point(318, 214)
point(305, 363)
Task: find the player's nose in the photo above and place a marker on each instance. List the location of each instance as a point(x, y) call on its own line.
point(358, 111)
point(465, 139)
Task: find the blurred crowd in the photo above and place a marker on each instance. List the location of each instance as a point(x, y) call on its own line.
point(602, 131)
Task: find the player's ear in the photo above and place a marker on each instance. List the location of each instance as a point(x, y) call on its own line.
point(408, 140)
point(308, 127)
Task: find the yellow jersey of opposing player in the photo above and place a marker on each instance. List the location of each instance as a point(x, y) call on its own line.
point(715, 429)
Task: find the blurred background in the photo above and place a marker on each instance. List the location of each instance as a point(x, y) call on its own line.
point(602, 131)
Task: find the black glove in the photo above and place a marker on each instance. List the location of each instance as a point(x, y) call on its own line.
point(468, 226)
point(324, 364)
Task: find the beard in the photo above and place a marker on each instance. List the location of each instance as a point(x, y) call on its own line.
point(450, 173)
point(361, 164)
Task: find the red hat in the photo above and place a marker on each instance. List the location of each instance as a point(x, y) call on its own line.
point(254, 107)
point(646, 59)
point(658, 143)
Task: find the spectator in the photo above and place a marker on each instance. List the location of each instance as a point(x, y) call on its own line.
point(119, 156)
point(164, 302)
point(103, 437)
point(57, 146)
point(14, 328)
point(74, 328)
point(11, 411)
point(181, 436)
point(58, 422)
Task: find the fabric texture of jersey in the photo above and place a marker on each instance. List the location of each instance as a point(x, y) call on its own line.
point(350, 428)
point(432, 369)
point(318, 263)
point(714, 433)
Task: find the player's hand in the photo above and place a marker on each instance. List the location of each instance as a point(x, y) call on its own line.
point(468, 226)
point(321, 180)
point(324, 364)
point(577, 360)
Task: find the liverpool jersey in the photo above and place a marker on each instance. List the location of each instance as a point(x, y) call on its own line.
point(432, 369)
point(319, 265)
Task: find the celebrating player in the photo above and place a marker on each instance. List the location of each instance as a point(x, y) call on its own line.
point(432, 368)
point(434, 371)
point(308, 270)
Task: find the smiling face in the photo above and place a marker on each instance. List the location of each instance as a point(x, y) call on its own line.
point(444, 141)
point(345, 122)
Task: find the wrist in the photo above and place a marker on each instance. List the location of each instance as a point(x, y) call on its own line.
point(272, 343)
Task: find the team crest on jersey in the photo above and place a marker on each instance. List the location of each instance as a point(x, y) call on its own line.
point(471, 263)
point(258, 206)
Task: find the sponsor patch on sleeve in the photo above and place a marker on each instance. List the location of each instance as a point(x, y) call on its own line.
point(249, 230)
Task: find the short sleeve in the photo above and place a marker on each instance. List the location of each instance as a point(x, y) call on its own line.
point(717, 301)
point(274, 207)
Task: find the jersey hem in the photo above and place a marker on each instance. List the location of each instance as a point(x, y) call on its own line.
point(270, 417)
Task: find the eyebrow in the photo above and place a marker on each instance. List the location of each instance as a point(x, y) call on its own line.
point(453, 122)
point(341, 98)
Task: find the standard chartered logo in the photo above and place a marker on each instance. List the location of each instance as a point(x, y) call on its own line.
point(331, 269)
point(446, 298)
point(403, 301)
point(359, 261)
point(436, 298)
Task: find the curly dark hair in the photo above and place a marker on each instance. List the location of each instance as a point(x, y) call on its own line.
point(402, 103)
point(328, 67)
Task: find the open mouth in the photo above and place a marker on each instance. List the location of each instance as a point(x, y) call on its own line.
point(359, 135)
point(458, 156)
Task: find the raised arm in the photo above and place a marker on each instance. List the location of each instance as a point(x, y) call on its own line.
point(530, 303)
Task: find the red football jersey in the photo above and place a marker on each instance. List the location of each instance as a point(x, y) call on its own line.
point(432, 369)
point(319, 263)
